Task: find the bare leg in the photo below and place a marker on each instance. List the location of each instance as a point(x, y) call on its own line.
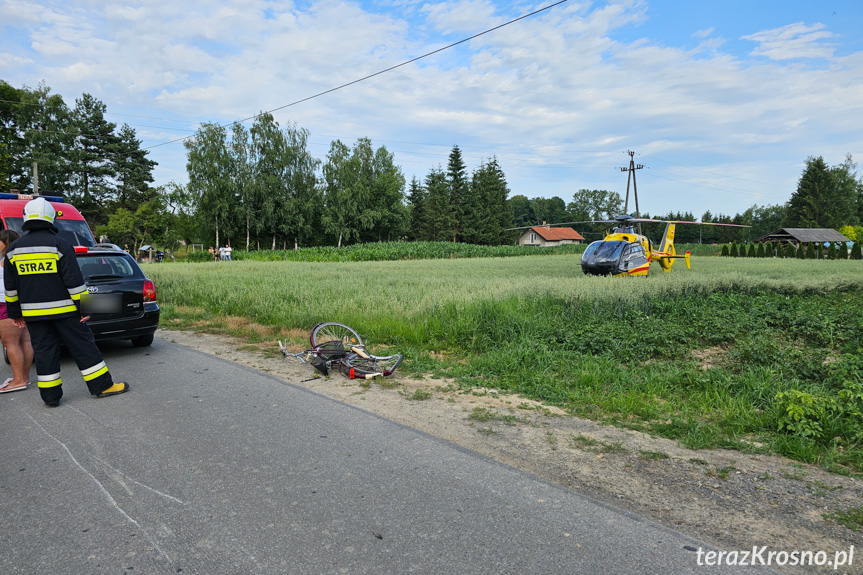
point(20, 357)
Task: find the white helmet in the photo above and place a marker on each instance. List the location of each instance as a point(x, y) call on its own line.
point(40, 210)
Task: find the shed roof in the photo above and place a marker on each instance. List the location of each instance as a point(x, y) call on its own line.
point(804, 235)
point(557, 234)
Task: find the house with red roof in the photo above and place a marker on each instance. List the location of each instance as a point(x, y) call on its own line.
point(548, 236)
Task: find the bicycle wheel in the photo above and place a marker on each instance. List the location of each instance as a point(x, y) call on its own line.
point(362, 368)
point(332, 331)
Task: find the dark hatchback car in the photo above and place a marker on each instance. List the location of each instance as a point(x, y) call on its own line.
point(122, 300)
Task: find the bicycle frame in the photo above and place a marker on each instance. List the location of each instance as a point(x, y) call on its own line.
point(354, 363)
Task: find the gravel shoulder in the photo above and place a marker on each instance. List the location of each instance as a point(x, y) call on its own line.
point(729, 499)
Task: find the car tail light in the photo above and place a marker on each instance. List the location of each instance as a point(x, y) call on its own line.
point(81, 249)
point(149, 291)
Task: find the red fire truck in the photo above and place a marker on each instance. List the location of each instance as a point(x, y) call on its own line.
point(72, 225)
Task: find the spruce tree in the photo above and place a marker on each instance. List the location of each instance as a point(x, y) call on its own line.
point(810, 251)
point(856, 252)
point(831, 251)
point(492, 212)
point(417, 201)
point(441, 221)
point(759, 251)
point(790, 251)
point(725, 251)
point(134, 171)
point(824, 197)
point(459, 190)
point(750, 253)
point(94, 154)
point(801, 251)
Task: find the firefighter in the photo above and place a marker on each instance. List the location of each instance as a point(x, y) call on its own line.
point(44, 289)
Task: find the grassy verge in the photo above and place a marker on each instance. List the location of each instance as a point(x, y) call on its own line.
point(746, 354)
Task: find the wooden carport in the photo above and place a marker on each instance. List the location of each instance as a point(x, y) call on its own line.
point(799, 236)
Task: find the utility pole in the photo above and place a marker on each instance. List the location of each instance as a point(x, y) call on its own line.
point(35, 178)
point(631, 169)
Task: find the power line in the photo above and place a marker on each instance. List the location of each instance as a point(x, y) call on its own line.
point(384, 71)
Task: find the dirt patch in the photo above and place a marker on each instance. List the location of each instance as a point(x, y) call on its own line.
point(728, 499)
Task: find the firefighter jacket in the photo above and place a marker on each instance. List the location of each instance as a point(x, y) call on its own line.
point(42, 277)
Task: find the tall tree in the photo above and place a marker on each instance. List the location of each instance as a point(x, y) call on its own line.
point(441, 219)
point(93, 157)
point(819, 201)
point(243, 181)
point(304, 202)
point(134, 171)
point(589, 205)
point(36, 127)
point(549, 210)
point(767, 219)
point(491, 213)
point(179, 204)
point(418, 211)
point(849, 192)
point(342, 195)
point(11, 138)
point(458, 185)
point(387, 199)
point(208, 165)
point(522, 211)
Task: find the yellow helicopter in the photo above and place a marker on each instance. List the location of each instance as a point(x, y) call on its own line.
point(627, 252)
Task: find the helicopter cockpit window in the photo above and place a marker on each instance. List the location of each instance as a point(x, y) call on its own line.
point(635, 251)
point(605, 251)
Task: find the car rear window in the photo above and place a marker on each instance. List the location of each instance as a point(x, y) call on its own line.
point(114, 265)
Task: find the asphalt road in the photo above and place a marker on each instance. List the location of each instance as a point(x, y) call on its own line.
point(209, 468)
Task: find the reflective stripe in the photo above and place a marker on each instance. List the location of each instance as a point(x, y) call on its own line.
point(78, 292)
point(11, 296)
point(97, 370)
point(42, 254)
point(52, 380)
point(47, 304)
point(34, 250)
point(46, 312)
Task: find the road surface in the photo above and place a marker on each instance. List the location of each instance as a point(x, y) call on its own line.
point(206, 467)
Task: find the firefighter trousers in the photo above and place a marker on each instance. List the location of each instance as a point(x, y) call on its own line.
point(46, 336)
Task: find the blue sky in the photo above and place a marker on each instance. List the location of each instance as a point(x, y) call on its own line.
point(721, 101)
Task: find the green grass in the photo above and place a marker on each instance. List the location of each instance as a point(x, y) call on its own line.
point(852, 519)
point(698, 355)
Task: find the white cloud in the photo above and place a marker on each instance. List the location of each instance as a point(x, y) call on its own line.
point(461, 17)
point(557, 90)
point(792, 41)
point(12, 60)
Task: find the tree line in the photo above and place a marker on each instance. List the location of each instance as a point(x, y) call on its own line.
point(259, 187)
point(77, 153)
point(826, 197)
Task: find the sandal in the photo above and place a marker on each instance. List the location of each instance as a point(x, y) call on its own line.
point(7, 389)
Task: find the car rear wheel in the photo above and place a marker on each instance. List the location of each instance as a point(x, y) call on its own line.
point(143, 340)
